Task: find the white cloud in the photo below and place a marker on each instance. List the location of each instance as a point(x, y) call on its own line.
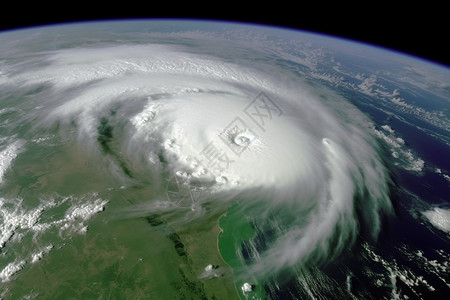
point(404, 157)
point(7, 155)
point(11, 269)
point(366, 87)
point(439, 217)
point(388, 129)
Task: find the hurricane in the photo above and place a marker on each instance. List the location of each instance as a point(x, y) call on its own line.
point(205, 131)
point(211, 160)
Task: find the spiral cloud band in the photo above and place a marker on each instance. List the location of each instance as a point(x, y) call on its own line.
point(204, 129)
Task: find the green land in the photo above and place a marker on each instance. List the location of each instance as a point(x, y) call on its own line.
point(118, 258)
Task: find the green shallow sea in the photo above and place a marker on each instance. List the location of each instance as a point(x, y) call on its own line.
point(236, 229)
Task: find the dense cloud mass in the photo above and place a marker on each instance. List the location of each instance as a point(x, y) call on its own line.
point(218, 131)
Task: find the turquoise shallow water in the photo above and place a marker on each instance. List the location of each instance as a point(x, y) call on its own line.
point(236, 229)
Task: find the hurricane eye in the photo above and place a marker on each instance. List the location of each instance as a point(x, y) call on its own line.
point(243, 139)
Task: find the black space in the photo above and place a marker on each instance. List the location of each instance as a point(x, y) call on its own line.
point(421, 31)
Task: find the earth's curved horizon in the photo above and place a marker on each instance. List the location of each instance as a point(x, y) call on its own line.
point(180, 159)
point(417, 43)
